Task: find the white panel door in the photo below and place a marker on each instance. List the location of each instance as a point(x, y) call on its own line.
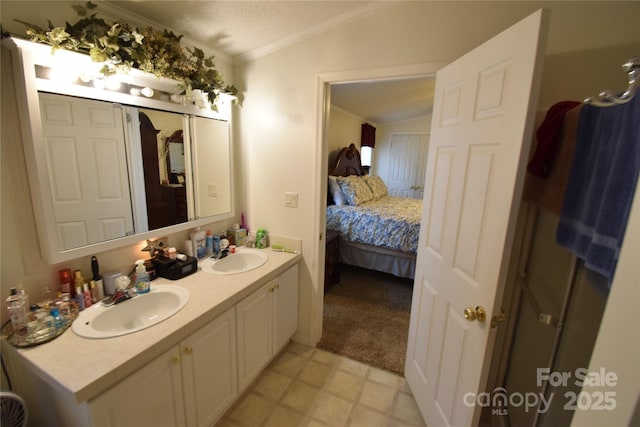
point(480, 135)
point(87, 169)
point(407, 164)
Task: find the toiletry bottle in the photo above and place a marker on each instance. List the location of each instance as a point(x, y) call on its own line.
point(199, 238)
point(209, 243)
point(78, 280)
point(86, 293)
point(143, 284)
point(216, 245)
point(58, 321)
point(95, 269)
point(261, 238)
point(65, 280)
point(17, 306)
point(94, 292)
point(80, 298)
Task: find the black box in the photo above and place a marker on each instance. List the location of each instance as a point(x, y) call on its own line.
point(174, 269)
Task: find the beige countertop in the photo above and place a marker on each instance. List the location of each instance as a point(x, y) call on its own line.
point(86, 367)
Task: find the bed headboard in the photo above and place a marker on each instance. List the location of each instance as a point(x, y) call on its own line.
point(347, 162)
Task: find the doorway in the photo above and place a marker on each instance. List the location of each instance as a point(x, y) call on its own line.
point(331, 144)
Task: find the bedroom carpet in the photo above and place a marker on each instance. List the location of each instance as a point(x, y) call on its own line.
point(366, 318)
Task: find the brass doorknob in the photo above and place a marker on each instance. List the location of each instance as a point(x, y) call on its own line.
point(470, 314)
point(481, 314)
point(478, 313)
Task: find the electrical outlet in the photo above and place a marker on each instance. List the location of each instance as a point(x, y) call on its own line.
point(291, 199)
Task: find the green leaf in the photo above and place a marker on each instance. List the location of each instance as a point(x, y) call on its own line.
point(97, 55)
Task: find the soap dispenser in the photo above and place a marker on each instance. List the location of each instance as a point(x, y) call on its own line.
point(143, 282)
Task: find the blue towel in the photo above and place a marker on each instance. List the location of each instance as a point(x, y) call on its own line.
point(601, 184)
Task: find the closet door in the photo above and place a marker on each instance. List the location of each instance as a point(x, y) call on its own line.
point(407, 164)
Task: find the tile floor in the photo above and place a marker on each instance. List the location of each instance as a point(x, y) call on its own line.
point(309, 387)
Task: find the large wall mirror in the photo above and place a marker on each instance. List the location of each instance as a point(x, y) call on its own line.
point(109, 169)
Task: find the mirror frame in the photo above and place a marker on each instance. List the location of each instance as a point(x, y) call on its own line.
point(26, 56)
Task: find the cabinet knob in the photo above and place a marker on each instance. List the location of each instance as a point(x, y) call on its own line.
point(175, 360)
point(188, 350)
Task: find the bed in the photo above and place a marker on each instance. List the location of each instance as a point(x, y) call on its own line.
point(377, 231)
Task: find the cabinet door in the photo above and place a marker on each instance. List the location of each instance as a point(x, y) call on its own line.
point(285, 308)
point(209, 370)
point(152, 396)
point(254, 334)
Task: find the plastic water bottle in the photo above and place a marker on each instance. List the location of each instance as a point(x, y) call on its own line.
point(18, 308)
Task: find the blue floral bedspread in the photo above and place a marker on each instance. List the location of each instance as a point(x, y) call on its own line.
point(391, 222)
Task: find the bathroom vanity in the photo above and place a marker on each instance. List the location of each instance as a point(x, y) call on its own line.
point(185, 370)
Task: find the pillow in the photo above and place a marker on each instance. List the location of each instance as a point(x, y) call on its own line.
point(377, 185)
point(336, 192)
point(355, 189)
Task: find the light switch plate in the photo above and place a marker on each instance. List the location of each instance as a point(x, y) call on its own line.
point(213, 191)
point(291, 199)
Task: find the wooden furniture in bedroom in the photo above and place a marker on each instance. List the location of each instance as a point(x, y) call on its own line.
point(331, 259)
point(345, 162)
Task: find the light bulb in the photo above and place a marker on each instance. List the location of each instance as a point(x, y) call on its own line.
point(147, 91)
point(112, 83)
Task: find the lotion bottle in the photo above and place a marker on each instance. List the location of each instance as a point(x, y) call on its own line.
point(143, 283)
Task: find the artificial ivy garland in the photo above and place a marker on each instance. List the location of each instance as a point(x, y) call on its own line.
point(121, 47)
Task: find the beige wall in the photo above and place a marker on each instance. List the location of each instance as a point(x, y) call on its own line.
point(281, 112)
point(344, 129)
point(279, 125)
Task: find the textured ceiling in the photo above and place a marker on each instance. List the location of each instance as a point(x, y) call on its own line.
point(240, 27)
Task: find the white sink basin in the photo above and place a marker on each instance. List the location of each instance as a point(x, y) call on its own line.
point(246, 259)
point(132, 315)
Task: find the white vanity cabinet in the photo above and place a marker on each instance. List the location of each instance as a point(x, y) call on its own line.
point(266, 321)
point(198, 374)
point(192, 384)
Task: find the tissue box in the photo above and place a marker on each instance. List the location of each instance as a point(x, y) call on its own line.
point(239, 237)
